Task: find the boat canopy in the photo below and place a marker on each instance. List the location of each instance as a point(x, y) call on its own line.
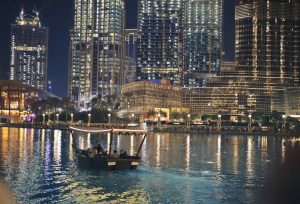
point(113, 130)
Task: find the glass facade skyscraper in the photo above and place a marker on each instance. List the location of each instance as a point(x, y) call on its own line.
point(97, 50)
point(159, 51)
point(267, 40)
point(180, 40)
point(203, 31)
point(131, 36)
point(29, 51)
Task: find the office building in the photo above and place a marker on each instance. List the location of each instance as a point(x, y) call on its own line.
point(131, 36)
point(180, 41)
point(96, 50)
point(159, 49)
point(203, 41)
point(267, 40)
point(29, 51)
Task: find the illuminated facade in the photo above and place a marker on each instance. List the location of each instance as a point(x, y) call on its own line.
point(16, 98)
point(159, 50)
point(203, 44)
point(145, 96)
point(130, 56)
point(292, 101)
point(129, 75)
point(267, 40)
point(131, 36)
point(233, 95)
point(180, 40)
point(29, 51)
point(96, 50)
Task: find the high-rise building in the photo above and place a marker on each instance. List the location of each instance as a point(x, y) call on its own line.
point(96, 50)
point(180, 40)
point(29, 51)
point(159, 51)
point(131, 36)
point(267, 40)
point(203, 31)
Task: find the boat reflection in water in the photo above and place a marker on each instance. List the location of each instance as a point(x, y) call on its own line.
point(39, 167)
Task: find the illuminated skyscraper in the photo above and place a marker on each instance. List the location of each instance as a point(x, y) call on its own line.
point(180, 40)
point(29, 51)
point(130, 42)
point(267, 40)
point(203, 44)
point(97, 50)
point(159, 51)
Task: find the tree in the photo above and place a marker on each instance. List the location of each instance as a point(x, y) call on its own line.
point(151, 113)
point(195, 116)
point(205, 117)
point(163, 114)
point(175, 116)
point(260, 118)
point(276, 119)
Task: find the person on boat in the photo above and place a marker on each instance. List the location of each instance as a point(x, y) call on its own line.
point(125, 155)
point(121, 152)
point(115, 155)
point(100, 149)
point(92, 152)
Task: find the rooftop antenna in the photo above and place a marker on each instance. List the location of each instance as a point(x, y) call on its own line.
point(35, 11)
point(36, 17)
point(22, 13)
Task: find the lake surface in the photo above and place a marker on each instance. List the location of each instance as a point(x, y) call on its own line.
point(40, 167)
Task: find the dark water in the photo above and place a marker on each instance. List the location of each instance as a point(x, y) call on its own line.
point(40, 167)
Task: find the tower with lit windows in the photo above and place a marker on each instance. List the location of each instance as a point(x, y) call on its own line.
point(267, 41)
point(180, 40)
point(203, 41)
point(96, 50)
point(29, 51)
point(159, 49)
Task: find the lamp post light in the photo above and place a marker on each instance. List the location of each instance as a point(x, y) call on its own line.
point(219, 121)
point(44, 118)
point(284, 122)
point(109, 118)
point(72, 117)
point(132, 118)
point(89, 116)
point(57, 117)
point(189, 120)
point(250, 122)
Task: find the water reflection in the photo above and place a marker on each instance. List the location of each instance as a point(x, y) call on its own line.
point(176, 168)
point(188, 152)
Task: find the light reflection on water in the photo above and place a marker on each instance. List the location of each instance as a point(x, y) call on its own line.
point(40, 167)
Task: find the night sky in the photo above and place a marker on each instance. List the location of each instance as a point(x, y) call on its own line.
point(58, 16)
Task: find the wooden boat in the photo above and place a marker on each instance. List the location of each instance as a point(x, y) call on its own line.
point(105, 161)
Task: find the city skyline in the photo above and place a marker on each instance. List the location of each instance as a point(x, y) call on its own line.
point(29, 50)
point(59, 35)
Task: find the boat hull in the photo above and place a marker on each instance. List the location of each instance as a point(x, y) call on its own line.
point(109, 163)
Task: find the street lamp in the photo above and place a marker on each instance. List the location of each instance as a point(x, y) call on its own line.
point(72, 117)
point(132, 116)
point(57, 117)
point(189, 118)
point(220, 121)
point(109, 118)
point(284, 122)
point(89, 122)
point(250, 122)
point(44, 118)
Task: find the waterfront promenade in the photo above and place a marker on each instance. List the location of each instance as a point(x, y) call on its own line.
point(228, 130)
